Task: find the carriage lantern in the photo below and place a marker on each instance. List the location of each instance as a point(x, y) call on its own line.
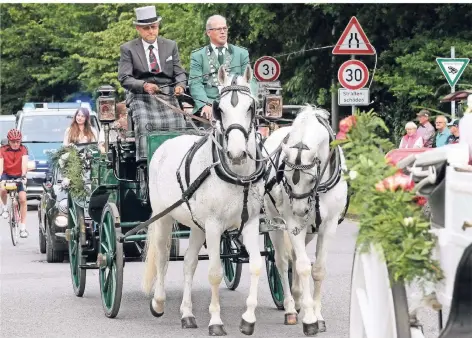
point(273, 106)
point(106, 104)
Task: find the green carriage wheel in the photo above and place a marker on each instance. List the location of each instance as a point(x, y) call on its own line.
point(78, 275)
point(273, 276)
point(110, 261)
point(231, 270)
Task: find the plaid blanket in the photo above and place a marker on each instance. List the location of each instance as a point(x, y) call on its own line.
point(150, 115)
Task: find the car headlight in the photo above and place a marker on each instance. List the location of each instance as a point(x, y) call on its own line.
point(62, 206)
point(60, 221)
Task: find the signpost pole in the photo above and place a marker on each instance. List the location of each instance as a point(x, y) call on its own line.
point(353, 109)
point(453, 88)
point(334, 93)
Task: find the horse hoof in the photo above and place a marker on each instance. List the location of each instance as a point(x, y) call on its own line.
point(291, 319)
point(247, 328)
point(310, 329)
point(189, 323)
point(217, 330)
point(154, 312)
point(321, 326)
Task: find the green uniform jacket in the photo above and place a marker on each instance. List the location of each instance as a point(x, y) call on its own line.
point(203, 61)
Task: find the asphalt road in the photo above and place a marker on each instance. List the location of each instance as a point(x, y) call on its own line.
point(36, 298)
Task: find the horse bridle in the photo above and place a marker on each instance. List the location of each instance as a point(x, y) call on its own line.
point(234, 89)
point(299, 167)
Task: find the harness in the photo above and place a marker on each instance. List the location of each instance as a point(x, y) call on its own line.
point(219, 164)
point(318, 188)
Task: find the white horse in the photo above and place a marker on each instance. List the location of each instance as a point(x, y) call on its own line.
point(305, 152)
point(216, 206)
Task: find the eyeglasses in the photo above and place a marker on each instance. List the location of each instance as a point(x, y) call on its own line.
point(220, 29)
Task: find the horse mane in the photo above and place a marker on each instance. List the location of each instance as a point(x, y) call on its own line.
point(304, 122)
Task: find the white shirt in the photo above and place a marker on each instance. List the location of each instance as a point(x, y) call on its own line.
point(225, 47)
point(154, 50)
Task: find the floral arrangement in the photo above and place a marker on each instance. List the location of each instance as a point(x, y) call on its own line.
point(72, 166)
point(392, 217)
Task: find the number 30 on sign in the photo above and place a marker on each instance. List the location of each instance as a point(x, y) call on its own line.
point(266, 69)
point(353, 74)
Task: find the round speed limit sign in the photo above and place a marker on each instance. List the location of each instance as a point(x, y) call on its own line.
point(353, 74)
point(267, 69)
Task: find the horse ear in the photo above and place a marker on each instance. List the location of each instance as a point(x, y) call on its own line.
point(284, 148)
point(222, 76)
point(248, 73)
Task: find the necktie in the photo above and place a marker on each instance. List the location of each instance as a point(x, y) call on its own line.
point(153, 61)
point(221, 58)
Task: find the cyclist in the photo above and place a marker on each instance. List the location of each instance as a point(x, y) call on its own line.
point(13, 165)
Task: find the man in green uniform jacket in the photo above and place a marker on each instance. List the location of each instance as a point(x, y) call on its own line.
point(205, 62)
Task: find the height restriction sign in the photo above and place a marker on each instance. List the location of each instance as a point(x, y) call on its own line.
point(353, 74)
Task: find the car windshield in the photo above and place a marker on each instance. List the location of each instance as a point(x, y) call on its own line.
point(5, 126)
point(48, 128)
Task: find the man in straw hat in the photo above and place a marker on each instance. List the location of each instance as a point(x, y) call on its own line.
point(150, 65)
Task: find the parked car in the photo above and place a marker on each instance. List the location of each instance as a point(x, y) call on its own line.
point(7, 122)
point(43, 126)
point(52, 214)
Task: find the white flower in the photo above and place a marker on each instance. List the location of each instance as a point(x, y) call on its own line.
point(65, 156)
point(65, 182)
point(408, 221)
point(61, 163)
point(352, 174)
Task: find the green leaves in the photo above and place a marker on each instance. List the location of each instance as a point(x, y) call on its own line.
point(389, 217)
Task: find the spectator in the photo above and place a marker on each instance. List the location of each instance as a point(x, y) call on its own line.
point(425, 129)
point(442, 132)
point(454, 129)
point(465, 129)
point(80, 130)
point(412, 139)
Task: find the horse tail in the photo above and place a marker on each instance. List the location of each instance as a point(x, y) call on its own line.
point(150, 268)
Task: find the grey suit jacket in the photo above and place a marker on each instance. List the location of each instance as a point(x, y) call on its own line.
point(133, 68)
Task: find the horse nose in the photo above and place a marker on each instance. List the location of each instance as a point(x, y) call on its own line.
point(307, 210)
point(242, 156)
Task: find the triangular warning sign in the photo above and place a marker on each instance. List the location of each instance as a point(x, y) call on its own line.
point(452, 68)
point(353, 40)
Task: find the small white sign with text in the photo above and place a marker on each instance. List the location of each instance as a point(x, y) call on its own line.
point(358, 97)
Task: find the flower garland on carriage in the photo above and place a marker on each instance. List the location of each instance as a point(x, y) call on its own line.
point(392, 218)
point(74, 164)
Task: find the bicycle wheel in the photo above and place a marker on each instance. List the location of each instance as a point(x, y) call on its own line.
point(14, 221)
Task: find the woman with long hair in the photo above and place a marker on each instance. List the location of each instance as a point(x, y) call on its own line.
point(80, 130)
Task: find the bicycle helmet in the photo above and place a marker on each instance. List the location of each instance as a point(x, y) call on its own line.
point(14, 135)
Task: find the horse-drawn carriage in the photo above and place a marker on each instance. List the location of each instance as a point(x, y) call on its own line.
point(135, 207)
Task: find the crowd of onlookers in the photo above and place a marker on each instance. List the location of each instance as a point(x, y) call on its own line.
point(425, 135)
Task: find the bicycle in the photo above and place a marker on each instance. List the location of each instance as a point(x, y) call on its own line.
point(11, 186)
